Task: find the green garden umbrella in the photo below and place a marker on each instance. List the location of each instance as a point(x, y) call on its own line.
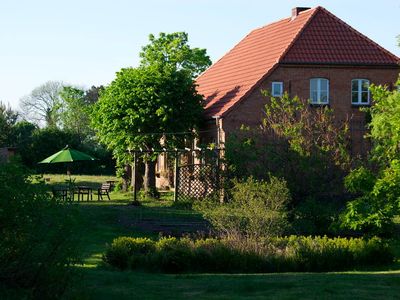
point(67, 155)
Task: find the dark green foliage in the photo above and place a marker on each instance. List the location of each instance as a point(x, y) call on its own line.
point(35, 144)
point(39, 240)
point(8, 118)
point(316, 217)
point(285, 254)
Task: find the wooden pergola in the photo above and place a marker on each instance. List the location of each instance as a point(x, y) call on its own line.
point(177, 153)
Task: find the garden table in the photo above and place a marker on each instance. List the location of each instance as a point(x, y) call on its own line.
point(84, 190)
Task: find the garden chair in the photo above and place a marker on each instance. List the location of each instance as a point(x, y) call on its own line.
point(104, 190)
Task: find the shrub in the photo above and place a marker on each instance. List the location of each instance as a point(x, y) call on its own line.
point(283, 254)
point(39, 240)
point(173, 255)
point(257, 209)
point(213, 255)
point(127, 252)
point(317, 254)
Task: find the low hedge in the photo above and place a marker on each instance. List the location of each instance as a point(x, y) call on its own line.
point(283, 254)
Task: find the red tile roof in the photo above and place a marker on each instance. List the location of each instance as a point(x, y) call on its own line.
point(315, 36)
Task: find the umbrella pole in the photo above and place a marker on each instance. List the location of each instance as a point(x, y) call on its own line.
point(70, 183)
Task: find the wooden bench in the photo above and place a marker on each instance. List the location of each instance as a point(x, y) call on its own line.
point(104, 190)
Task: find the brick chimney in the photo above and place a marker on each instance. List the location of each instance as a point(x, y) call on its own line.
point(297, 10)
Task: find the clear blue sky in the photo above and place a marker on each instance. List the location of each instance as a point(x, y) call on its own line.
point(84, 42)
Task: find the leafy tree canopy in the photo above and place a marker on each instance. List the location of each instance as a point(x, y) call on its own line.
point(143, 102)
point(76, 112)
point(158, 97)
point(172, 49)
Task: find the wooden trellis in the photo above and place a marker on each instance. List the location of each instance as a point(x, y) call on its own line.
point(192, 181)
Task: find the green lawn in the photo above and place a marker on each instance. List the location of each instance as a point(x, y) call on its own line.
point(103, 221)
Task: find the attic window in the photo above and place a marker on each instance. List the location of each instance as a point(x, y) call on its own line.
point(277, 89)
point(319, 91)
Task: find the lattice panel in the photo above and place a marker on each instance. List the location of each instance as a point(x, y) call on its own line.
point(197, 181)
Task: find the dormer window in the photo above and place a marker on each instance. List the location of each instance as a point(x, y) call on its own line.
point(360, 92)
point(319, 91)
point(277, 89)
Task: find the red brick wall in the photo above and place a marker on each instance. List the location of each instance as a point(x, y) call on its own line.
point(296, 80)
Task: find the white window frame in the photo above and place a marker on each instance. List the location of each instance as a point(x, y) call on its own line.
point(359, 92)
point(280, 84)
point(319, 102)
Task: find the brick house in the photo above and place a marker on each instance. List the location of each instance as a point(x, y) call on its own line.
point(312, 54)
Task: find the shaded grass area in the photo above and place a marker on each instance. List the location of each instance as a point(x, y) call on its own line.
point(105, 284)
point(106, 220)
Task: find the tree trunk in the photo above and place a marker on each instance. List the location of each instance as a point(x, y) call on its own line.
point(125, 178)
point(139, 175)
point(150, 178)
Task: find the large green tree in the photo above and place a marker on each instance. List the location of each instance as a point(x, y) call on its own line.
point(378, 182)
point(158, 97)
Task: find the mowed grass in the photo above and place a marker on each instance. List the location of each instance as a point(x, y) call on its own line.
point(87, 180)
point(103, 221)
point(103, 284)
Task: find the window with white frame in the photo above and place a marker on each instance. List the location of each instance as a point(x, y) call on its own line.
point(360, 92)
point(319, 91)
point(277, 88)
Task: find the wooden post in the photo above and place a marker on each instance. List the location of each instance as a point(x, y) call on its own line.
point(219, 177)
point(134, 177)
point(176, 176)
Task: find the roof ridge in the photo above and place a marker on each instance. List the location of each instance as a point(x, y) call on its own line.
point(360, 34)
point(256, 29)
point(301, 30)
